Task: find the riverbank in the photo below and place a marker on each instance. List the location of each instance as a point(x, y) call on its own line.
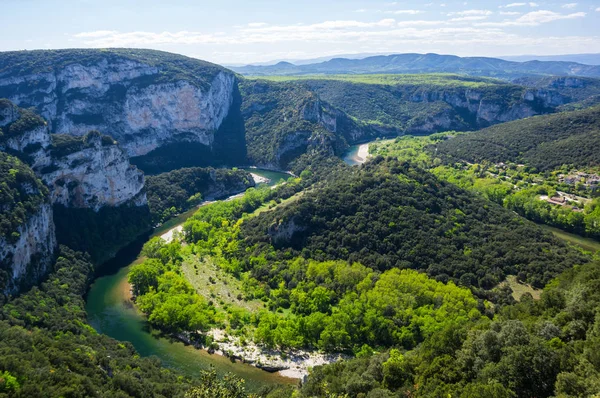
point(294, 364)
point(357, 154)
point(110, 311)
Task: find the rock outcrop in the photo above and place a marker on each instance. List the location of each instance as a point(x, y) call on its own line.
point(144, 99)
point(96, 173)
point(27, 236)
point(30, 256)
point(91, 171)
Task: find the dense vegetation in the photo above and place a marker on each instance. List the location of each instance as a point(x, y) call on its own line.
point(285, 120)
point(48, 350)
point(531, 349)
point(179, 190)
point(21, 194)
point(392, 215)
point(65, 144)
point(542, 142)
point(516, 187)
point(378, 220)
point(27, 120)
point(286, 116)
point(101, 233)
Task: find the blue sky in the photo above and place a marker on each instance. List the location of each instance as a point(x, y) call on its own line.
point(261, 30)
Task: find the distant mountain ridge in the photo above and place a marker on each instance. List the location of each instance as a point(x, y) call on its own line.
point(427, 63)
point(587, 59)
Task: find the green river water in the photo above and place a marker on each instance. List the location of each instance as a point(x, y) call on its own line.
point(111, 312)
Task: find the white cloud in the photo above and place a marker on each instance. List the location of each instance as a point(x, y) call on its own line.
point(569, 5)
point(96, 33)
point(469, 18)
point(421, 23)
point(509, 13)
point(531, 4)
point(470, 12)
point(534, 18)
point(543, 16)
point(360, 10)
point(258, 40)
point(407, 12)
point(598, 9)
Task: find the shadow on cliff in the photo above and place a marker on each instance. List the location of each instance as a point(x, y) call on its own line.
point(229, 147)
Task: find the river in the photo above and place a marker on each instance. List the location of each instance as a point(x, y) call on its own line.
point(110, 312)
point(357, 154)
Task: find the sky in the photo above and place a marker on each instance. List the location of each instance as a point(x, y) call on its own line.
point(241, 32)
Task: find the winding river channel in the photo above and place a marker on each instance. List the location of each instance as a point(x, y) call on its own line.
point(110, 312)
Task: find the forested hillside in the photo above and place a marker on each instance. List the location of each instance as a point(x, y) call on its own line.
point(21, 195)
point(48, 350)
point(532, 349)
point(543, 142)
point(179, 190)
point(392, 215)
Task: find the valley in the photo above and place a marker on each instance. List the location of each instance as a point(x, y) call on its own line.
point(409, 225)
point(111, 312)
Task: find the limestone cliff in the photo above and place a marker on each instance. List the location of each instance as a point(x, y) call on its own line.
point(28, 258)
point(91, 172)
point(27, 237)
point(285, 120)
point(99, 196)
point(144, 99)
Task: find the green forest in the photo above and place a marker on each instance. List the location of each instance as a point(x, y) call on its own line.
point(179, 190)
point(443, 332)
point(430, 270)
point(541, 142)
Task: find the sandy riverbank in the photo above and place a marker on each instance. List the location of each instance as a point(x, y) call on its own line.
point(260, 179)
point(294, 364)
point(363, 153)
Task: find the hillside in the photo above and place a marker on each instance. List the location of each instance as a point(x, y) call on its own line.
point(543, 142)
point(537, 348)
point(423, 104)
point(180, 190)
point(389, 214)
point(287, 116)
point(426, 63)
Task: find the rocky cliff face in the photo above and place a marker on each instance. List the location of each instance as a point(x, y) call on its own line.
point(84, 172)
point(283, 121)
point(30, 256)
point(143, 99)
point(27, 237)
point(512, 105)
point(94, 175)
point(90, 174)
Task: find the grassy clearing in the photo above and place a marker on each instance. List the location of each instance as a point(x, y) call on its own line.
point(272, 204)
point(217, 285)
point(586, 244)
point(434, 79)
point(519, 288)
